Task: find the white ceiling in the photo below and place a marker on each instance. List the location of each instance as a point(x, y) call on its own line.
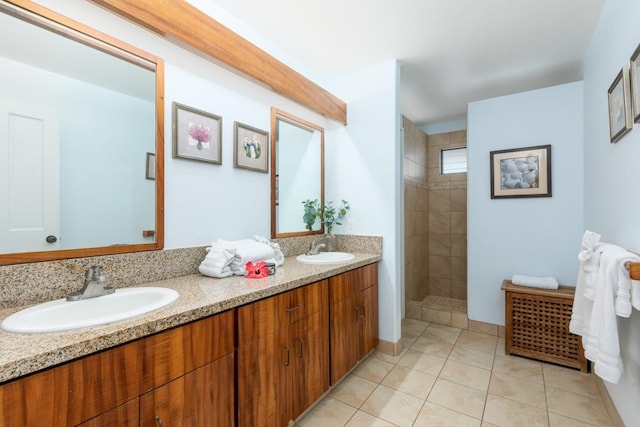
point(451, 51)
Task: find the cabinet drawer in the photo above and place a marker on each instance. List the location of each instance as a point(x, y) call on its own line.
point(302, 302)
point(346, 284)
point(173, 353)
point(264, 317)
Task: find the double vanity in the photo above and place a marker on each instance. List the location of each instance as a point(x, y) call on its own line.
point(226, 351)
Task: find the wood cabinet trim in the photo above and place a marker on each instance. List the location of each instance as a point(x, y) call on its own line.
point(190, 28)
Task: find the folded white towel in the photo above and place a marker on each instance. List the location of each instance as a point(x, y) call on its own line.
point(535, 281)
point(277, 252)
point(217, 263)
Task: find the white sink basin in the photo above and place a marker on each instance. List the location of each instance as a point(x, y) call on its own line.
point(63, 315)
point(325, 258)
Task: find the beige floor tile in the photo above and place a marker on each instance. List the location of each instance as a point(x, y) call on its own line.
point(373, 369)
point(436, 316)
point(353, 390)
point(519, 367)
point(393, 406)
point(407, 341)
point(423, 362)
point(477, 341)
point(472, 357)
point(433, 415)
point(431, 345)
point(509, 413)
point(486, 424)
point(409, 381)
point(362, 419)
point(577, 406)
point(556, 420)
point(389, 358)
point(518, 389)
point(468, 375)
point(570, 380)
point(444, 333)
point(328, 412)
point(485, 328)
point(500, 346)
point(457, 397)
point(413, 327)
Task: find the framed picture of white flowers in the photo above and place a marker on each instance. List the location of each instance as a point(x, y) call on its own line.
point(521, 172)
point(251, 148)
point(197, 135)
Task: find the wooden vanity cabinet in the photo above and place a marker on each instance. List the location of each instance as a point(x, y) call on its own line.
point(353, 322)
point(130, 384)
point(282, 355)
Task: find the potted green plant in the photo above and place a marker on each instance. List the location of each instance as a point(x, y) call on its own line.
point(332, 216)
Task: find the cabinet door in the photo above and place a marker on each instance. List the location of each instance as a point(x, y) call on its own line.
point(262, 384)
point(203, 397)
point(345, 331)
point(310, 350)
point(369, 318)
point(127, 415)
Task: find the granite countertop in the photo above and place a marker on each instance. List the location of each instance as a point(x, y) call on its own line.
point(200, 296)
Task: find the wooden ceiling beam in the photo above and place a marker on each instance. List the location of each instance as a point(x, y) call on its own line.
point(187, 26)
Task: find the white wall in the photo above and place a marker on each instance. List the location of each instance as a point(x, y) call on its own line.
point(533, 236)
point(612, 175)
point(363, 166)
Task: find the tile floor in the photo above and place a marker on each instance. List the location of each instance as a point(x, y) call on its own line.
point(454, 377)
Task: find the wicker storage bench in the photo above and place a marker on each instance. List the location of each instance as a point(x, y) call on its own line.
point(537, 325)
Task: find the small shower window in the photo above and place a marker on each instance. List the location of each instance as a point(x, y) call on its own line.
point(453, 160)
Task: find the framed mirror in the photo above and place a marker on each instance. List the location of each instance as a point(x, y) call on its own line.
point(81, 140)
point(297, 172)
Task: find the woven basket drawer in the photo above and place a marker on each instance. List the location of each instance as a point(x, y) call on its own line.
point(537, 325)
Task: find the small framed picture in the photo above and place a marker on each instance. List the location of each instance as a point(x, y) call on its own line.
point(197, 135)
point(151, 166)
point(635, 75)
point(251, 148)
point(619, 106)
point(521, 172)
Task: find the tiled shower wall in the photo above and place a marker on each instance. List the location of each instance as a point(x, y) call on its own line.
point(435, 217)
point(416, 213)
point(447, 221)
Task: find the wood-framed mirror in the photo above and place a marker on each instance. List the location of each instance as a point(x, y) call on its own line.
point(297, 173)
point(81, 136)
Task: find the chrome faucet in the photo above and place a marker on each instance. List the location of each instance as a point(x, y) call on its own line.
point(94, 282)
point(313, 250)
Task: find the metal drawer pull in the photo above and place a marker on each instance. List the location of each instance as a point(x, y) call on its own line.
point(300, 347)
point(286, 347)
point(289, 310)
point(362, 315)
point(357, 314)
point(159, 420)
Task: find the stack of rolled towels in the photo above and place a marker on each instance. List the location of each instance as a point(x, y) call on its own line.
point(229, 257)
point(535, 281)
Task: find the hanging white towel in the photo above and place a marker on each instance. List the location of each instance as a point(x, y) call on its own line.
point(635, 294)
point(600, 338)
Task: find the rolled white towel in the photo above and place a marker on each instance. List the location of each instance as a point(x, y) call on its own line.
point(535, 281)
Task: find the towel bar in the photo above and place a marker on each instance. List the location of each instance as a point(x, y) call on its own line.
point(634, 269)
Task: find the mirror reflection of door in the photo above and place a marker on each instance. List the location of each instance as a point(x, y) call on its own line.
point(29, 178)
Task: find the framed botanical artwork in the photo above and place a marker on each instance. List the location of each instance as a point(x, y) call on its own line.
point(619, 106)
point(197, 135)
point(150, 167)
point(521, 172)
point(251, 148)
point(635, 83)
